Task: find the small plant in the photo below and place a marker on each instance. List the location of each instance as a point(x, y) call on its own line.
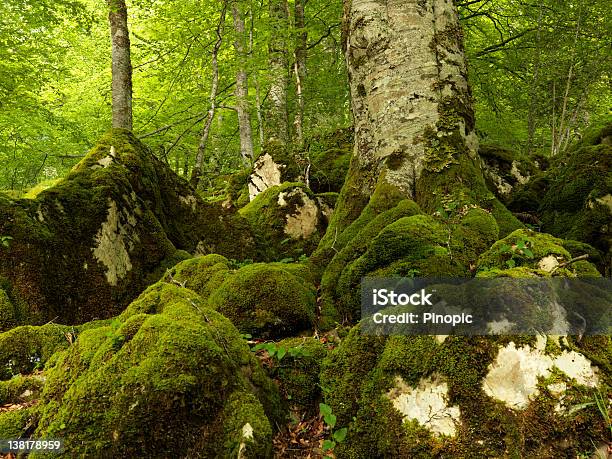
point(521, 249)
point(279, 352)
point(337, 436)
point(602, 404)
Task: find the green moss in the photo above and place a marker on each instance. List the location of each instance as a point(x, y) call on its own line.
point(158, 380)
point(524, 248)
point(268, 216)
point(362, 394)
point(20, 389)
point(33, 192)
point(246, 429)
point(353, 249)
point(7, 312)
point(22, 349)
point(13, 424)
point(298, 373)
point(121, 199)
point(265, 301)
point(203, 275)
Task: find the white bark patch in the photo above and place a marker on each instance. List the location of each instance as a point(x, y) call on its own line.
point(427, 404)
point(110, 249)
point(266, 174)
point(513, 376)
point(302, 223)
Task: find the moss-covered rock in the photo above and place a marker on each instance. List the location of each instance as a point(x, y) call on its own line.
point(8, 314)
point(525, 248)
point(421, 397)
point(13, 424)
point(504, 169)
point(203, 275)
point(287, 221)
point(573, 198)
point(329, 157)
point(169, 376)
point(298, 371)
point(20, 389)
point(266, 301)
point(87, 246)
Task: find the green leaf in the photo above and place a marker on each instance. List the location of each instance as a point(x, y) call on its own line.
point(511, 263)
point(281, 352)
point(325, 409)
point(328, 444)
point(504, 248)
point(340, 434)
point(528, 252)
point(330, 420)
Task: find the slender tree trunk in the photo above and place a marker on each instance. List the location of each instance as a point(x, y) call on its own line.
point(411, 102)
point(531, 118)
point(242, 89)
point(260, 122)
point(300, 68)
point(121, 64)
point(196, 172)
point(277, 119)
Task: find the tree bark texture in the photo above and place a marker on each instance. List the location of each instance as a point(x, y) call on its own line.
point(277, 119)
point(121, 65)
point(242, 88)
point(300, 67)
point(411, 102)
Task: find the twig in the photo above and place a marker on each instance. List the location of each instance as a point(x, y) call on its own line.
point(567, 263)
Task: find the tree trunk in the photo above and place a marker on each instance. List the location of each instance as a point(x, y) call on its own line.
point(121, 65)
point(196, 172)
point(300, 68)
point(277, 122)
point(411, 105)
point(242, 89)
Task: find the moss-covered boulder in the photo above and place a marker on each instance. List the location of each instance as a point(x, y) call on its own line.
point(422, 397)
point(526, 251)
point(573, 198)
point(266, 301)
point(202, 274)
point(298, 372)
point(287, 221)
point(87, 246)
point(504, 169)
point(323, 164)
point(169, 376)
point(413, 245)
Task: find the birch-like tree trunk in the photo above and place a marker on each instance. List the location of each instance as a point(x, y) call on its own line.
point(121, 64)
point(242, 88)
point(411, 102)
point(300, 67)
point(277, 118)
point(196, 172)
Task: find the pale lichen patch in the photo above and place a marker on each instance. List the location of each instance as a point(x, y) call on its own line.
point(266, 174)
point(302, 223)
point(110, 249)
point(514, 375)
point(427, 404)
point(247, 434)
point(190, 201)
